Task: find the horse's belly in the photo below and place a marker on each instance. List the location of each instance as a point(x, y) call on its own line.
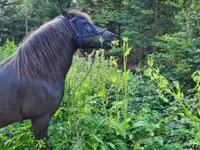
point(9, 114)
point(29, 99)
point(7, 111)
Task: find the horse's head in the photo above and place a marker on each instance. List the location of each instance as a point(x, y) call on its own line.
point(88, 35)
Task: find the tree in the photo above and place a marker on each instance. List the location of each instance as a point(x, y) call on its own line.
point(45, 10)
point(12, 20)
point(17, 15)
point(179, 53)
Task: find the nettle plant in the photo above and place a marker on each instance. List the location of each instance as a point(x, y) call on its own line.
point(187, 107)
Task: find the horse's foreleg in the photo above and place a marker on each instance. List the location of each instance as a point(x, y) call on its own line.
point(40, 127)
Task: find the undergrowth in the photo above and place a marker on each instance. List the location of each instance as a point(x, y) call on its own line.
point(114, 109)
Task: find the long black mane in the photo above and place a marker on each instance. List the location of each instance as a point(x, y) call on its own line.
point(47, 51)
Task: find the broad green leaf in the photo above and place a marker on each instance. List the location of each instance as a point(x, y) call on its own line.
point(119, 127)
point(128, 51)
point(150, 62)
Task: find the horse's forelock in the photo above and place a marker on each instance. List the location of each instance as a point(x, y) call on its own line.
point(78, 13)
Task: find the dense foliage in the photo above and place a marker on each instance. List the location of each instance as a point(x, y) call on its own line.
point(115, 110)
point(153, 106)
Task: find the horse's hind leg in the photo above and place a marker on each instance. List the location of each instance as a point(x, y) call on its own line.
point(40, 127)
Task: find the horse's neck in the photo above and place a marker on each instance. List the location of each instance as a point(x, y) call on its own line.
point(54, 67)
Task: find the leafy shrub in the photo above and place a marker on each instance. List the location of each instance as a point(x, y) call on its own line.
point(7, 50)
point(178, 55)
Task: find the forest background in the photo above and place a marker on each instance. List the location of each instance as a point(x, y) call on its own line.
point(148, 93)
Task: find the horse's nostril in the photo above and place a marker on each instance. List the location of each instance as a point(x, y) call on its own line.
point(112, 35)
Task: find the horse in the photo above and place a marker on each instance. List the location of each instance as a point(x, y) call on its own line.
point(32, 79)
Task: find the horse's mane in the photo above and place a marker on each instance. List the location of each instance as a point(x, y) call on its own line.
point(46, 52)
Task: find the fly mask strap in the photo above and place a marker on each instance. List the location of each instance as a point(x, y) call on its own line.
point(81, 27)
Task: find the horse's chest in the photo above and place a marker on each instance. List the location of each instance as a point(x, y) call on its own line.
point(41, 99)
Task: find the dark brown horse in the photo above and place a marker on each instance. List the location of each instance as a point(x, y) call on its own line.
point(32, 79)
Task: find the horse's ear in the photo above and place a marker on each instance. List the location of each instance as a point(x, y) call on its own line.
point(63, 12)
